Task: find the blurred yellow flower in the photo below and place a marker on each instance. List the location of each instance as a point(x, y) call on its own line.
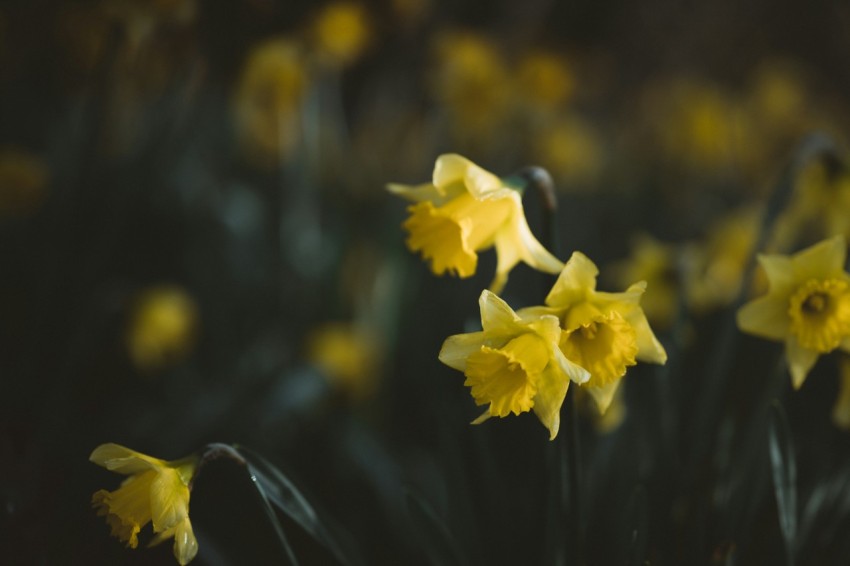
point(571, 149)
point(470, 80)
point(156, 491)
point(654, 262)
point(162, 327)
point(349, 356)
point(467, 209)
point(23, 182)
point(545, 79)
point(341, 32)
point(702, 126)
point(268, 99)
point(807, 305)
point(604, 333)
point(714, 269)
point(513, 364)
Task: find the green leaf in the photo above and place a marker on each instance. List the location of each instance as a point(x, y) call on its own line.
point(784, 476)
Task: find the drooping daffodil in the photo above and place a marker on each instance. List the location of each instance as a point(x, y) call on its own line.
point(464, 210)
point(604, 333)
point(513, 365)
point(156, 491)
point(807, 305)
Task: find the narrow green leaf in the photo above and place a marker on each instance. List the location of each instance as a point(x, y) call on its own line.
point(280, 491)
point(784, 476)
point(438, 541)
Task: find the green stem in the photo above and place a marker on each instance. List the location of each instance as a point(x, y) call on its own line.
point(567, 454)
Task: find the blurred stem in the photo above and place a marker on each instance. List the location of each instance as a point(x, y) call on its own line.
point(539, 180)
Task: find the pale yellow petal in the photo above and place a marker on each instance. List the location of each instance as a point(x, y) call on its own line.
point(603, 395)
point(418, 193)
point(779, 270)
point(576, 281)
point(482, 417)
point(766, 317)
point(821, 261)
point(169, 500)
point(649, 348)
point(450, 168)
point(572, 370)
point(496, 315)
point(514, 242)
point(800, 361)
point(547, 327)
point(185, 544)
point(122, 460)
point(551, 391)
point(456, 349)
point(483, 185)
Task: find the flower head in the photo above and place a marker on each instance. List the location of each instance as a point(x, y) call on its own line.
point(467, 209)
point(156, 491)
point(807, 305)
point(513, 365)
point(604, 333)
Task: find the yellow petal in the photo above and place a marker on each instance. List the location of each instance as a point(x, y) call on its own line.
point(800, 361)
point(514, 243)
point(603, 395)
point(779, 270)
point(766, 317)
point(821, 261)
point(450, 168)
point(649, 348)
point(122, 460)
point(419, 193)
point(572, 370)
point(169, 500)
point(576, 281)
point(551, 391)
point(456, 349)
point(496, 315)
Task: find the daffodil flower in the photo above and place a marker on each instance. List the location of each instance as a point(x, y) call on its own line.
point(513, 365)
point(604, 333)
point(156, 491)
point(807, 305)
point(465, 210)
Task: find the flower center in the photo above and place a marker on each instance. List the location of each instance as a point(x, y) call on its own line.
point(820, 314)
point(507, 377)
point(605, 346)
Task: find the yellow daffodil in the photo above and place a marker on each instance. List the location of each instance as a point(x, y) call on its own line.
point(348, 355)
point(162, 327)
point(268, 99)
point(341, 32)
point(156, 491)
point(513, 364)
point(654, 262)
point(807, 305)
point(467, 209)
point(604, 333)
point(23, 182)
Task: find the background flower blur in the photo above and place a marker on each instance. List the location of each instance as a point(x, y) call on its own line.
point(196, 246)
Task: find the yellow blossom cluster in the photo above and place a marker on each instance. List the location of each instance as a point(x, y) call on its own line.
point(524, 360)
